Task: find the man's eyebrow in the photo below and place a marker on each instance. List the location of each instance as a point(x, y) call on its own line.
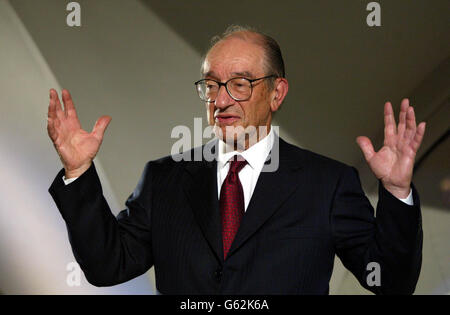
point(242, 74)
point(211, 74)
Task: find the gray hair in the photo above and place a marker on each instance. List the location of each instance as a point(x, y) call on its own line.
point(274, 62)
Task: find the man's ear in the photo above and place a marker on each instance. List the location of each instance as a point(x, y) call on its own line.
point(279, 93)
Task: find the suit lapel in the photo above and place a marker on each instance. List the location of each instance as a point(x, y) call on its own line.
point(200, 188)
point(271, 190)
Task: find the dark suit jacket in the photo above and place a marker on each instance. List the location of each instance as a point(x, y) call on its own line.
point(299, 217)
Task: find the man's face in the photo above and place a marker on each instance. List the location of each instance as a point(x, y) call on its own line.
point(233, 58)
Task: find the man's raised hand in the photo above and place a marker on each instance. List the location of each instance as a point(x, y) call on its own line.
point(393, 164)
point(76, 147)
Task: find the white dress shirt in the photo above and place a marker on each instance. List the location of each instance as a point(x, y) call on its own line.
point(255, 156)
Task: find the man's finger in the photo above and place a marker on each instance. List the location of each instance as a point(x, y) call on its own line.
point(390, 129)
point(366, 147)
point(52, 105)
point(418, 137)
point(51, 128)
point(402, 117)
point(100, 126)
point(58, 108)
point(69, 108)
point(410, 124)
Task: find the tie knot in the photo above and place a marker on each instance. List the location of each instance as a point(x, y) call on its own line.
point(237, 164)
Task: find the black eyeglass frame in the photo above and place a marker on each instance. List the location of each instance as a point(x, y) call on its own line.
point(226, 88)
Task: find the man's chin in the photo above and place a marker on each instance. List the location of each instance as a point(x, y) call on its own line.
point(228, 132)
point(236, 136)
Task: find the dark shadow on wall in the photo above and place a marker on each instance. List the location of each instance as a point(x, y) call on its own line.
point(432, 174)
point(340, 70)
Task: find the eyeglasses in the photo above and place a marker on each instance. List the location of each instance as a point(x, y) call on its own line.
point(240, 89)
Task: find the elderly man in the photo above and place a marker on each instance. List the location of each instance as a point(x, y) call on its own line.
point(228, 226)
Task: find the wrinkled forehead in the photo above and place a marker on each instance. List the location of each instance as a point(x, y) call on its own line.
point(234, 57)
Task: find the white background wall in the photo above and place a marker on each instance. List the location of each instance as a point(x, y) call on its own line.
point(34, 248)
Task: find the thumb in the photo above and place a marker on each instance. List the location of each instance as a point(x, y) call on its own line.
point(366, 147)
point(100, 126)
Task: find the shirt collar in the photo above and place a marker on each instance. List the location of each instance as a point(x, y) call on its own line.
point(255, 156)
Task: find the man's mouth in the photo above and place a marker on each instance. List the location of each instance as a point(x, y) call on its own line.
point(226, 119)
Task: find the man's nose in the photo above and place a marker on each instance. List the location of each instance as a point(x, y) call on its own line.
point(223, 99)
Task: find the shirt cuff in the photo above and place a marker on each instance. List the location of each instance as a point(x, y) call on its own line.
point(68, 181)
point(408, 200)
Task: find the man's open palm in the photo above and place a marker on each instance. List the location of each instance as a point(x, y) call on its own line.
point(393, 164)
point(75, 146)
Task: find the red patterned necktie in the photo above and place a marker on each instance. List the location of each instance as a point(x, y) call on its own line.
point(231, 204)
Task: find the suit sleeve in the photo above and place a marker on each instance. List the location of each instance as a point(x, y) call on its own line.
point(110, 250)
point(392, 240)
